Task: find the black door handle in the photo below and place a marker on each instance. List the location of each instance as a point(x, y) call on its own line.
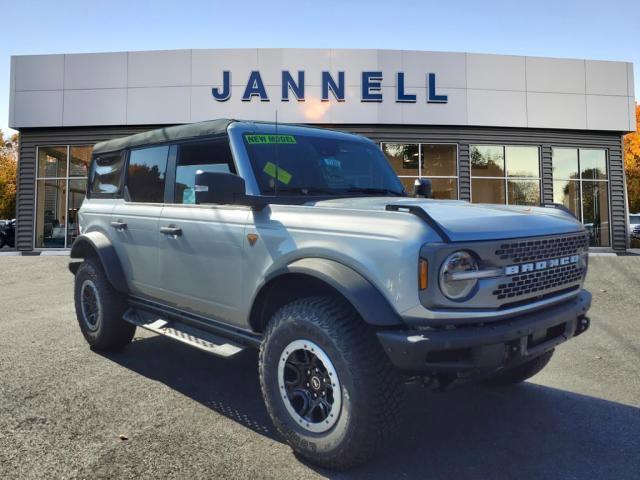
point(171, 231)
point(119, 225)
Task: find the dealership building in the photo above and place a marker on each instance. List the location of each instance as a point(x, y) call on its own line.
point(484, 128)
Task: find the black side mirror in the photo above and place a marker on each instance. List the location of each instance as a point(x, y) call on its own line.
point(422, 188)
point(219, 187)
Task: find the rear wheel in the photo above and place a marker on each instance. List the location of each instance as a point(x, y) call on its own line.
point(520, 373)
point(328, 386)
point(99, 309)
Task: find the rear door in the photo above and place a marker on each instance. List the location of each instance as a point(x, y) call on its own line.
point(135, 219)
point(202, 247)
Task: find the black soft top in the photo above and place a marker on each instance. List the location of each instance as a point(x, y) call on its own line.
point(167, 134)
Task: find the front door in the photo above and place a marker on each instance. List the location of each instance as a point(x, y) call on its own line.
point(202, 245)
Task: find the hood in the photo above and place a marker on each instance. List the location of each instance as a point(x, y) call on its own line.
point(463, 221)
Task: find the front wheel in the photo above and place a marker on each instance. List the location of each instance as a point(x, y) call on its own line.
point(99, 309)
point(328, 386)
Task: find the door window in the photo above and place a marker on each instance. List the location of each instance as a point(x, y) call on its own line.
point(146, 174)
point(206, 156)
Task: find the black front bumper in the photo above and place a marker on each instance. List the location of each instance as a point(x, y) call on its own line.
point(489, 346)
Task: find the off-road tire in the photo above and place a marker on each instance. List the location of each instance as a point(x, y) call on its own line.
point(520, 373)
point(110, 332)
point(370, 386)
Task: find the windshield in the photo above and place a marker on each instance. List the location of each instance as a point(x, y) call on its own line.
point(634, 219)
point(316, 165)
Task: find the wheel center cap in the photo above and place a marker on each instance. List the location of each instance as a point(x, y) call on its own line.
point(315, 383)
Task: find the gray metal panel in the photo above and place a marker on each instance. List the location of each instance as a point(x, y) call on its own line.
point(463, 136)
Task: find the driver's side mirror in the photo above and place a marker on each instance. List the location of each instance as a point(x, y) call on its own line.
point(422, 188)
point(219, 187)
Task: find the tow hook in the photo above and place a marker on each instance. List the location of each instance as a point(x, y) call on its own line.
point(582, 325)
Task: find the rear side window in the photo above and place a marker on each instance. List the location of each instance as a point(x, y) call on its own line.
point(146, 174)
point(106, 175)
point(206, 156)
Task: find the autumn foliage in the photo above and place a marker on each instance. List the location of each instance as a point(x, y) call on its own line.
point(632, 165)
point(8, 182)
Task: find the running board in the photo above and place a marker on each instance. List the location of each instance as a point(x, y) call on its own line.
point(193, 336)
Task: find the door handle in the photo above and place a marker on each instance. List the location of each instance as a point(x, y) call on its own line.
point(176, 232)
point(119, 226)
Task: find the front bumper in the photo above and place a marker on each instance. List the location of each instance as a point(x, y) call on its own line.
point(486, 347)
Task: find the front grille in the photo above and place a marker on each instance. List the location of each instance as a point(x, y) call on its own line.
point(532, 250)
point(534, 282)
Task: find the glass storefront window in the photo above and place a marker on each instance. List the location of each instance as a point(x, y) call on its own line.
point(60, 189)
point(505, 174)
point(403, 157)
point(436, 162)
point(580, 183)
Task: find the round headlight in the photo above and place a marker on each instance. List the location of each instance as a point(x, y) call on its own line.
point(456, 287)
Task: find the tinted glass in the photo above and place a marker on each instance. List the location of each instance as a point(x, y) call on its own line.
point(439, 160)
point(208, 157)
point(487, 161)
point(522, 162)
point(306, 164)
point(402, 157)
point(51, 215)
point(52, 162)
point(484, 190)
point(567, 193)
point(595, 211)
point(146, 174)
point(77, 189)
point(444, 188)
point(106, 175)
point(79, 160)
point(565, 163)
point(523, 192)
point(593, 164)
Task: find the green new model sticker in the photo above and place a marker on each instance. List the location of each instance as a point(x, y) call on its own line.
point(274, 171)
point(270, 139)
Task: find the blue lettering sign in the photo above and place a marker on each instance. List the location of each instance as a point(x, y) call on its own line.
point(289, 84)
point(328, 83)
point(371, 87)
point(432, 96)
point(225, 94)
point(401, 96)
point(255, 87)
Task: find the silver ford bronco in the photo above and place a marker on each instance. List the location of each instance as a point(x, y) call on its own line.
point(302, 243)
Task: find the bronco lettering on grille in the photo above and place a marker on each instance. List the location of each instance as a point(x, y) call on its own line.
point(541, 265)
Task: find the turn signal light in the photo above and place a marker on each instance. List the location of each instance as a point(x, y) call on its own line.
point(423, 267)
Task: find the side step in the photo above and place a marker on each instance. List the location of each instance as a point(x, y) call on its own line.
point(193, 336)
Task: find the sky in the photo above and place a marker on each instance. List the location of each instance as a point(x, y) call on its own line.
point(572, 29)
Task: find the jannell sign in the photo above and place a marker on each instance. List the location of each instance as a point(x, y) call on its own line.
point(371, 88)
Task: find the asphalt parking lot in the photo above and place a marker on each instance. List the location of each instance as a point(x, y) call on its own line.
point(159, 409)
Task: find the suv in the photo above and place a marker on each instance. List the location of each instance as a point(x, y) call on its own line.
point(302, 243)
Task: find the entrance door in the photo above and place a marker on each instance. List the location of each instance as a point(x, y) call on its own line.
point(201, 249)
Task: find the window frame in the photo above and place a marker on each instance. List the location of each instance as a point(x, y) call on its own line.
point(66, 179)
point(420, 158)
point(506, 177)
point(580, 181)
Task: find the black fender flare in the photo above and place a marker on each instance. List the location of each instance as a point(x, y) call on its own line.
point(368, 301)
point(98, 244)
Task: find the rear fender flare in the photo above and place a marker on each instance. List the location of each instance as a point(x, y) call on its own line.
point(98, 244)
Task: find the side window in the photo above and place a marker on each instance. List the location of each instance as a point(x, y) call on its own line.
point(146, 174)
point(205, 156)
point(106, 175)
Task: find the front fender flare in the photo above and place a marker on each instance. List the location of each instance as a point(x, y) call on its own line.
point(368, 301)
point(98, 244)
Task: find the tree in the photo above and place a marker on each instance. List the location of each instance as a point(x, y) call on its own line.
point(632, 165)
point(8, 175)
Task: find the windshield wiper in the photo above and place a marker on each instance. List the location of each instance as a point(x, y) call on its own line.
point(375, 191)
